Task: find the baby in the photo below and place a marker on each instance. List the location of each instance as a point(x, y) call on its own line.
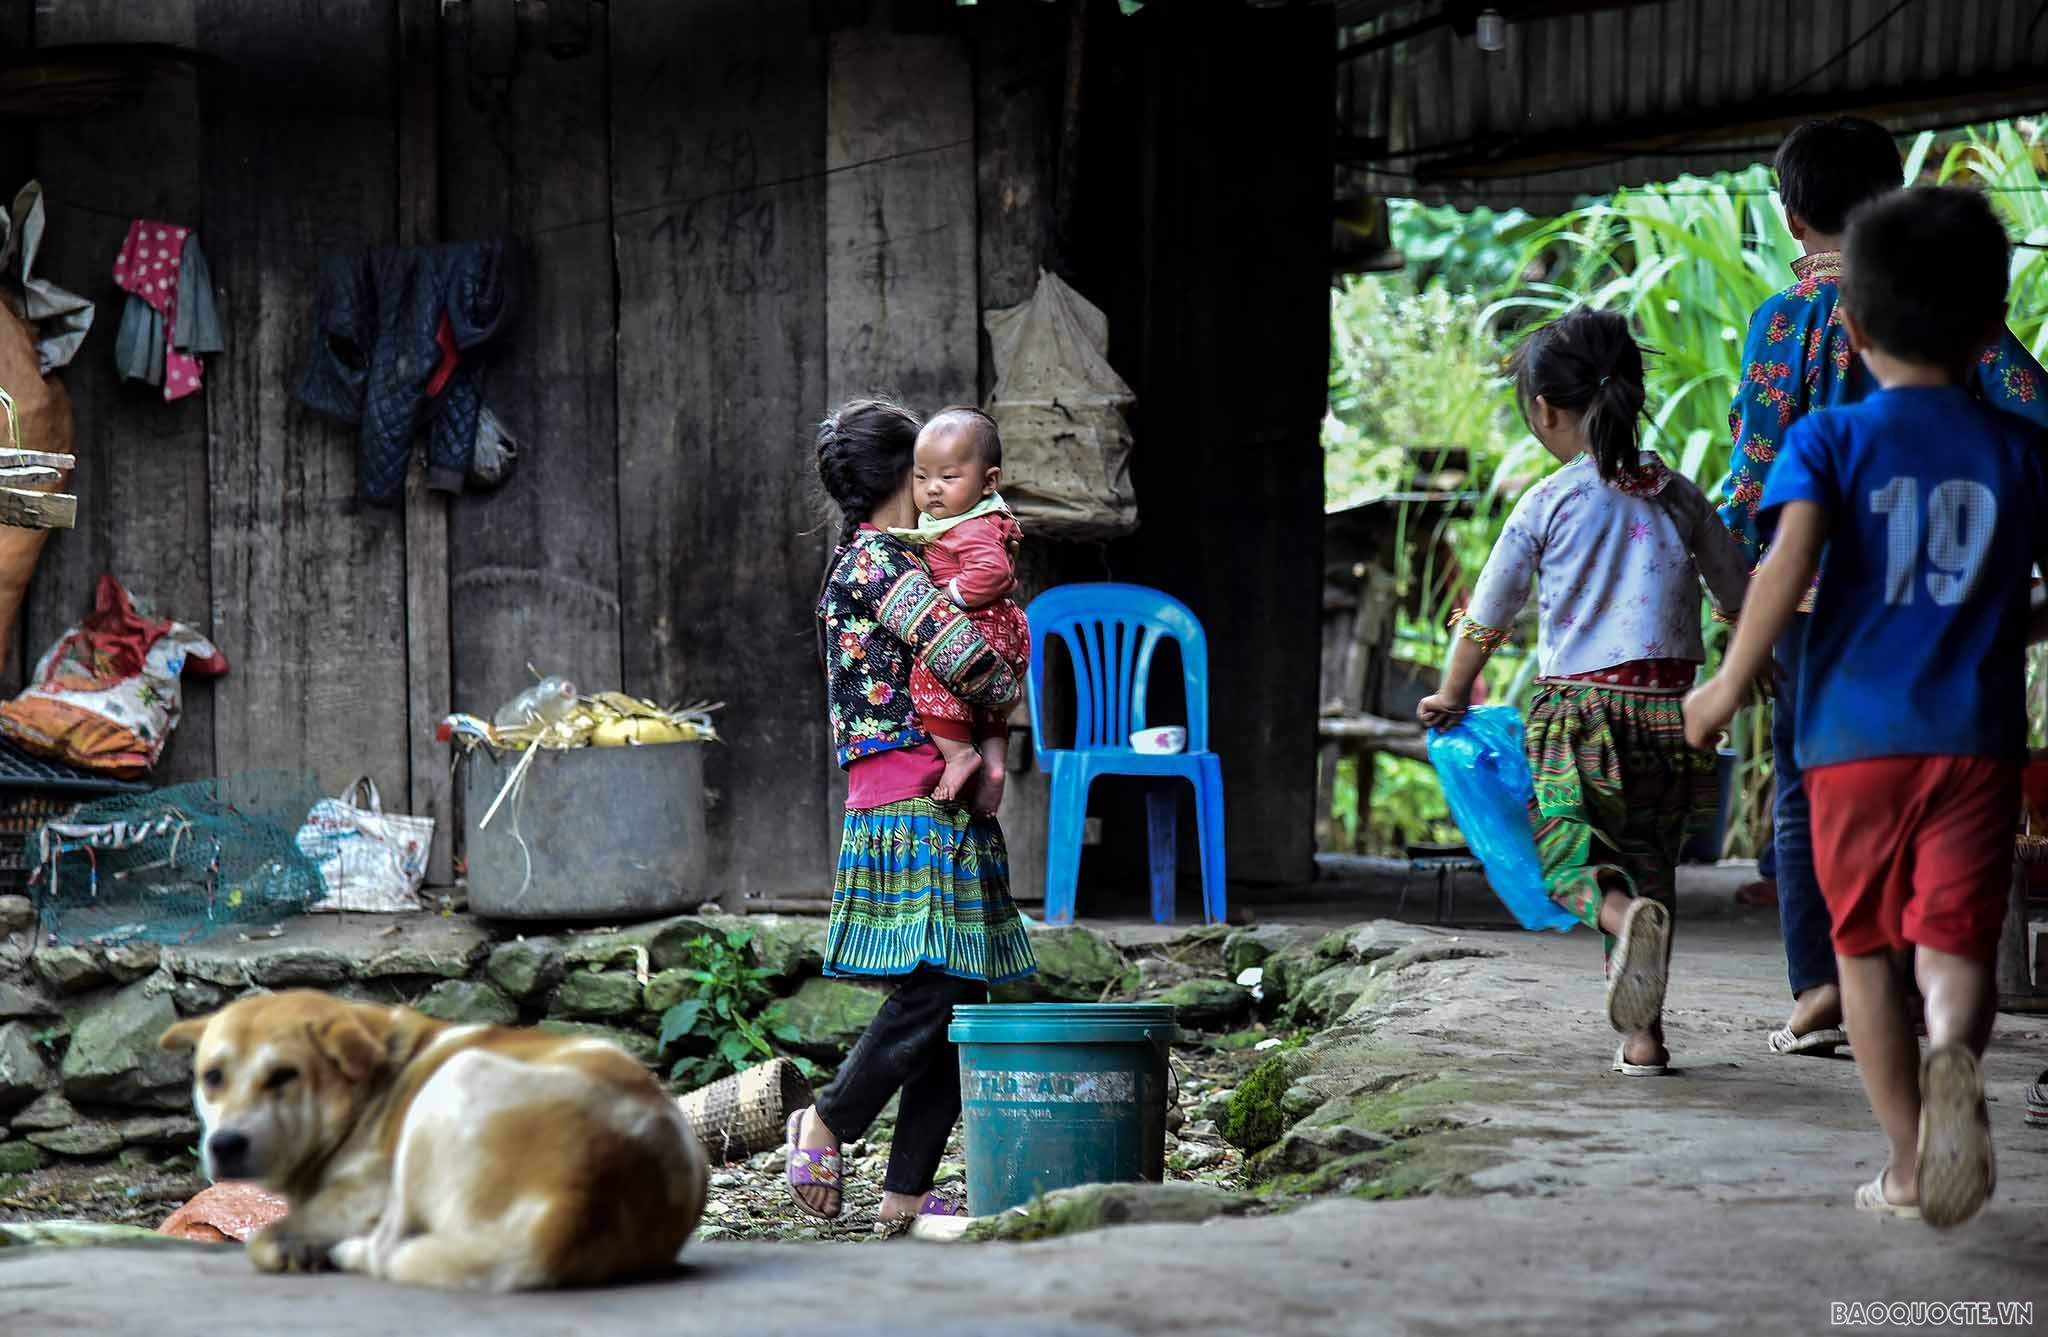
point(965, 532)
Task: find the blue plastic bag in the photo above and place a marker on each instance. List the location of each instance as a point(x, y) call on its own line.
point(1485, 778)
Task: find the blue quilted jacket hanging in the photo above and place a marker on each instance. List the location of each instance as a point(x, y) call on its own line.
point(375, 353)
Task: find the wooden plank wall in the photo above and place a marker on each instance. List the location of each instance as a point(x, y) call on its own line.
point(718, 189)
point(732, 219)
point(524, 148)
point(1212, 263)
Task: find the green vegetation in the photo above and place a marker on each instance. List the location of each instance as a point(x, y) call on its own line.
point(1417, 403)
point(731, 992)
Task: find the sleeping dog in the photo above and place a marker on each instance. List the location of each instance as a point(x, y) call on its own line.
point(484, 1157)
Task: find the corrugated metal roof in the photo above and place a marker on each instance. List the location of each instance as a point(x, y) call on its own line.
point(1589, 95)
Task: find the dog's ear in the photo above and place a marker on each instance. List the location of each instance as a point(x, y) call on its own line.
point(349, 1044)
point(184, 1035)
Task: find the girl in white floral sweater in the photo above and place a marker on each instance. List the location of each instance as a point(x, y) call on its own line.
point(1617, 545)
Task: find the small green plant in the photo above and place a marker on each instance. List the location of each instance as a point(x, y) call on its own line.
point(50, 1039)
point(731, 993)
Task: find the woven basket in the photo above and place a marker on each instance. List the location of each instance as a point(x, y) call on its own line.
point(747, 1113)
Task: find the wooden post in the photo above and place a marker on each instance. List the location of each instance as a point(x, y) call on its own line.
point(428, 653)
point(2016, 983)
point(1359, 673)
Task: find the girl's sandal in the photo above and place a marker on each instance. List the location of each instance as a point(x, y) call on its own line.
point(1637, 971)
point(811, 1167)
point(1628, 1069)
point(933, 1205)
point(1957, 1170)
point(1870, 1198)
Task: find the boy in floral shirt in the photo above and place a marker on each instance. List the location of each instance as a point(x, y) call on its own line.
point(1797, 359)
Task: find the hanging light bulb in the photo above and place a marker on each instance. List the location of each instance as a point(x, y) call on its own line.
point(1493, 30)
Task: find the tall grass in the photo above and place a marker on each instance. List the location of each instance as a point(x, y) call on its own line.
point(1687, 261)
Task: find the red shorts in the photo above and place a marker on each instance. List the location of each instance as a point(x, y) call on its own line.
point(1916, 851)
point(944, 715)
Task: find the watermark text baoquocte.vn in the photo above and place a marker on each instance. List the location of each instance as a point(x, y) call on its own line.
point(1919, 1314)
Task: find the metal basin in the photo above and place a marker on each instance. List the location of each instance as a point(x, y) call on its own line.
point(591, 833)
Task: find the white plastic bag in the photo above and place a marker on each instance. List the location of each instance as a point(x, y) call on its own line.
point(370, 860)
point(1059, 404)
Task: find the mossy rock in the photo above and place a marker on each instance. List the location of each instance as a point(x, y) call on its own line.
point(623, 947)
point(1070, 1211)
point(83, 1139)
point(114, 1058)
point(1423, 953)
point(827, 1014)
point(599, 995)
point(1242, 951)
point(1284, 972)
point(1331, 948)
point(1075, 965)
point(48, 1110)
point(88, 1234)
point(17, 1158)
point(450, 961)
point(526, 968)
point(467, 1002)
point(668, 988)
point(788, 947)
point(1328, 994)
point(1254, 1119)
point(1308, 1147)
point(70, 969)
point(24, 1070)
point(1207, 1002)
point(1434, 1166)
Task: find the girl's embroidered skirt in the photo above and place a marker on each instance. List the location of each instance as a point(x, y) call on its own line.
point(1617, 788)
point(924, 883)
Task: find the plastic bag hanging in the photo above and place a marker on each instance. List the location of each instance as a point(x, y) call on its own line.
point(1486, 782)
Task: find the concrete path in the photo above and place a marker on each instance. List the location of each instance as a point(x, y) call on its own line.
point(1715, 1201)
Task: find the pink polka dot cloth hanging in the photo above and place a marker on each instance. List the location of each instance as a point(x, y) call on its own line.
point(148, 267)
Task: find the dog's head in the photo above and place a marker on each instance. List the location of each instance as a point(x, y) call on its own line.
point(279, 1079)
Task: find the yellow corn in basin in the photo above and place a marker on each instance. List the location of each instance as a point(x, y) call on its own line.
point(639, 732)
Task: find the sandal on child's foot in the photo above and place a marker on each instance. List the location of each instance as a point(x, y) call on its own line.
point(889, 1227)
point(1957, 1173)
point(1870, 1197)
point(811, 1167)
point(2037, 1102)
point(1637, 972)
point(1628, 1069)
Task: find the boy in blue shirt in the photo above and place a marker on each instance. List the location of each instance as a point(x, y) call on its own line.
point(1796, 361)
point(1912, 721)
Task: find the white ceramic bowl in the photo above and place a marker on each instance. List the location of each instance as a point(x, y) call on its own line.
point(1161, 742)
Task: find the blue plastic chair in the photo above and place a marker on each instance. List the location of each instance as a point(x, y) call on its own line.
point(1111, 633)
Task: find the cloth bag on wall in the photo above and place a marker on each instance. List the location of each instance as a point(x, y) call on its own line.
point(1060, 406)
point(371, 861)
point(107, 695)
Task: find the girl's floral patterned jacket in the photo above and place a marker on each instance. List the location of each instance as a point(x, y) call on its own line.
point(878, 610)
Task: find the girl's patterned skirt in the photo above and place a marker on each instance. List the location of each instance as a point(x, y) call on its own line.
point(924, 883)
point(1617, 788)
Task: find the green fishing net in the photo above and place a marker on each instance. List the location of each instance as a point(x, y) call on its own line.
point(179, 864)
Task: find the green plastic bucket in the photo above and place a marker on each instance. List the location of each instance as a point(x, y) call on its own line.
point(1058, 1094)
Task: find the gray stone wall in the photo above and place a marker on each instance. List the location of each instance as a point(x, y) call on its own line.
point(82, 1078)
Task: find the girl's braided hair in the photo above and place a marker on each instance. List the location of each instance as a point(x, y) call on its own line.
point(864, 451)
point(1587, 361)
point(865, 448)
